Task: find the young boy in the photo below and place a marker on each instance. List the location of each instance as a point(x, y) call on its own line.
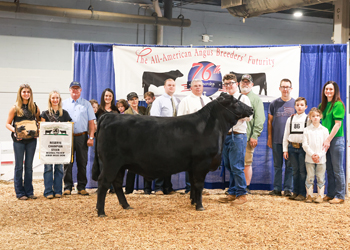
point(314, 136)
point(292, 148)
point(149, 98)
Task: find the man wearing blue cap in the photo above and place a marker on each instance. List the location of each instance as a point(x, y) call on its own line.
point(83, 116)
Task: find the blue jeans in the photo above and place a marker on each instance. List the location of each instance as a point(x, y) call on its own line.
point(53, 182)
point(320, 170)
point(233, 155)
point(297, 160)
point(277, 151)
point(28, 150)
point(335, 170)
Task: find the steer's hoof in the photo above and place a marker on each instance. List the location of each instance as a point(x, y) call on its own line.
point(102, 215)
point(129, 207)
point(200, 209)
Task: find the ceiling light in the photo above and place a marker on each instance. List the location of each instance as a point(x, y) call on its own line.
point(298, 14)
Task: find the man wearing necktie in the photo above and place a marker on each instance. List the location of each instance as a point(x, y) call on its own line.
point(190, 104)
point(165, 106)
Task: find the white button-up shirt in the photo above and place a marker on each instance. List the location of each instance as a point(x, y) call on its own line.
point(163, 107)
point(297, 138)
point(191, 104)
point(241, 126)
point(313, 139)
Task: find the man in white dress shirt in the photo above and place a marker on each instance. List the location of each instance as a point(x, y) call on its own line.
point(166, 106)
point(190, 104)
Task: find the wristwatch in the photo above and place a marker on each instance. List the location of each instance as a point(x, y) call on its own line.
point(91, 138)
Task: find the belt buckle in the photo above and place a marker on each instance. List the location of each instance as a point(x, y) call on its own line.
point(295, 145)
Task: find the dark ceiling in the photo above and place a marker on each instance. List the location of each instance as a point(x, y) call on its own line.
point(323, 10)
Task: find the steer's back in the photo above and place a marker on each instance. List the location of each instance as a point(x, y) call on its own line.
point(154, 146)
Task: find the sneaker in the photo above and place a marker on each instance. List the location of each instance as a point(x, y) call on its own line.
point(32, 197)
point(300, 198)
point(275, 193)
point(336, 201)
point(83, 192)
point(67, 192)
point(227, 199)
point(309, 199)
point(293, 196)
point(240, 200)
point(287, 193)
point(318, 199)
point(159, 192)
point(58, 195)
point(23, 198)
point(49, 197)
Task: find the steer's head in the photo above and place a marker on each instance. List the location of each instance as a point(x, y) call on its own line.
point(236, 109)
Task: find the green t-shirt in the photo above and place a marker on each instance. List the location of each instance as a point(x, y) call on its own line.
point(337, 113)
point(256, 124)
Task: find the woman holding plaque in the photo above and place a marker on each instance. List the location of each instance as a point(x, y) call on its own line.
point(22, 122)
point(55, 113)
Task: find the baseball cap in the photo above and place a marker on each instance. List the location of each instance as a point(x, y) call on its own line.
point(248, 77)
point(131, 95)
point(75, 84)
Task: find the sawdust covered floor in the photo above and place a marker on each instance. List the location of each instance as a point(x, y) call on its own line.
point(169, 222)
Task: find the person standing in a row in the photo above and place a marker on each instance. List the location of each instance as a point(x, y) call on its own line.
point(333, 112)
point(165, 106)
point(54, 113)
point(83, 116)
point(134, 109)
point(24, 110)
point(190, 104)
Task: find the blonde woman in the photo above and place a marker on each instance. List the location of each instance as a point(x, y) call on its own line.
point(24, 110)
point(55, 113)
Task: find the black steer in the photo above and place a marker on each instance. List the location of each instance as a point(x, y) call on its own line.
point(155, 147)
point(259, 79)
point(157, 79)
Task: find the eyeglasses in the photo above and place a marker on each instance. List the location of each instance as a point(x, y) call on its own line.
point(285, 87)
point(229, 83)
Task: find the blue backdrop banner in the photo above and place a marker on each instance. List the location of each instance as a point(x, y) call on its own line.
point(94, 69)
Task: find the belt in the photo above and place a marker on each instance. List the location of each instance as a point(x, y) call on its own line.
point(295, 144)
point(235, 133)
point(79, 134)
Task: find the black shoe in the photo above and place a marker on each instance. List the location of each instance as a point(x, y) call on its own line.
point(112, 191)
point(147, 191)
point(128, 192)
point(275, 193)
point(287, 193)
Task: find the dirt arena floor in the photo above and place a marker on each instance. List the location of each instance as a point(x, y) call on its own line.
point(170, 222)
